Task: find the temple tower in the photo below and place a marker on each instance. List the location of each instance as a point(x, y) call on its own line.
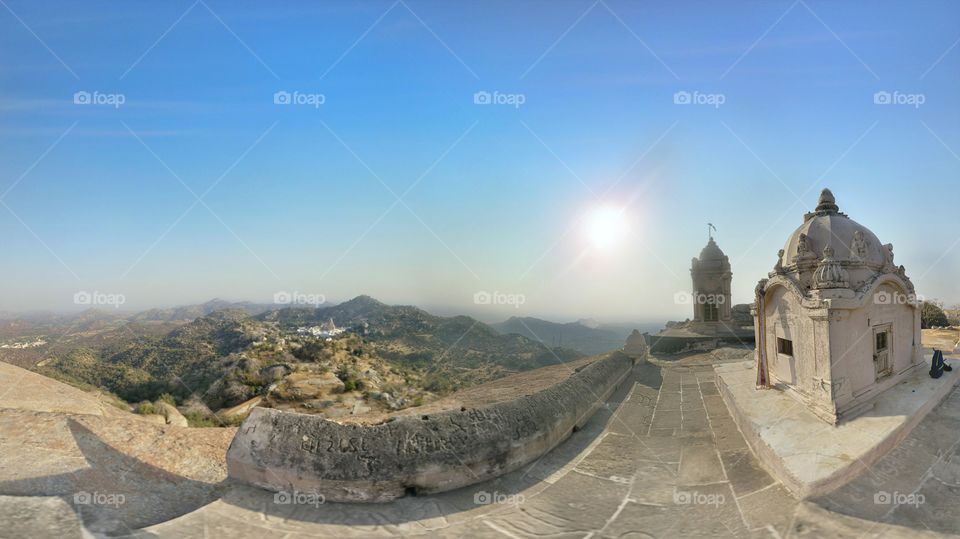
point(711, 289)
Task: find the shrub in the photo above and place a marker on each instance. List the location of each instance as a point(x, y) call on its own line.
point(231, 421)
point(200, 419)
point(145, 408)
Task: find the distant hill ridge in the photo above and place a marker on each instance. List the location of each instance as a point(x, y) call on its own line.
point(585, 336)
point(417, 336)
point(192, 312)
point(225, 352)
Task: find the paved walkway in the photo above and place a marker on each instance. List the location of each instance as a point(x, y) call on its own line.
point(664, 459)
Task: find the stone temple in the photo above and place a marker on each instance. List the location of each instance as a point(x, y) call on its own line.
point(711, 291)
point(837, 322)
point(713, 324)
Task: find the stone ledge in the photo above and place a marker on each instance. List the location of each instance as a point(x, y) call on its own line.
point(27, 390)
point(285, 451)
point(809, 456)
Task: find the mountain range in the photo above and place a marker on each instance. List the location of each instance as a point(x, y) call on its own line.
point(223, 351)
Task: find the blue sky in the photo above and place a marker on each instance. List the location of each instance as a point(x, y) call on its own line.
point(494, 197)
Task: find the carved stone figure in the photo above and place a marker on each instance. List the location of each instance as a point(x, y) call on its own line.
point(805, 249)
point(858, 247)
point(830, 274)
point(888, 255)
point(803, 246)
point(778, 268)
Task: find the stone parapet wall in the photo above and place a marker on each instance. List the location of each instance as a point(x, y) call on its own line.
point(285, 451)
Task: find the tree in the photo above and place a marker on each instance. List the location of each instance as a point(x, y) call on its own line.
point(931, 314)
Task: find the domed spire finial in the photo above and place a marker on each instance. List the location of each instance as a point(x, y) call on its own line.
point(827, 202)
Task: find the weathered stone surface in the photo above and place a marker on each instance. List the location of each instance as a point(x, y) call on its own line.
point(771, 507)
point(746, 475)
point(699, 465)
point(433, 453)
point(636, 346)
point(26, 390)
point(172, 415)
point(39, 516)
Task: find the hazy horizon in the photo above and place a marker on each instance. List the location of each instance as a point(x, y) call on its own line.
point(570, 154)
point(482, 313)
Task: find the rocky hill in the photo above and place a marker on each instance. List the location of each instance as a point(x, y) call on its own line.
point(389, 357)
point(415, 337)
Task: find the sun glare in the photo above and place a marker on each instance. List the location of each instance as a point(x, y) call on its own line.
point(605, 227)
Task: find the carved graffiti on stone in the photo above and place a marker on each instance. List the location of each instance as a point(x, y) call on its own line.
point(309, 444)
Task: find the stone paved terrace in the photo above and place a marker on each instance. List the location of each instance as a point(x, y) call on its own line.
point(664, 459)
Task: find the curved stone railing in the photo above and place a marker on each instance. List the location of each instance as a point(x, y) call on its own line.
point(285, 451)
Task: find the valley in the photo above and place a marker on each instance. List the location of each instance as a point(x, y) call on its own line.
point(213, 362)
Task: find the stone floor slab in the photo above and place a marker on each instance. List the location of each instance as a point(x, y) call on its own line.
point(810, 456)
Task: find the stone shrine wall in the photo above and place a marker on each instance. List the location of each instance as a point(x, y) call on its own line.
point(285, 451)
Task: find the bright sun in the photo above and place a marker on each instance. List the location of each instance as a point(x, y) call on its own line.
point(605, 227)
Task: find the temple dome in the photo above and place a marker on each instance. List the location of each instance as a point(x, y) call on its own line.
point(711, 252)
point(712, 258)
point(827, 227)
